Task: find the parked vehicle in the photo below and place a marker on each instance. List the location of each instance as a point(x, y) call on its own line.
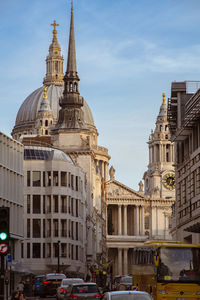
point(127, 295)
point(125, 283)
point(37, 283)
point(83, 291)
point(62, 289)
point(50, 284)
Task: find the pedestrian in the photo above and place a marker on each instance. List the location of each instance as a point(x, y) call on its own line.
point(15, 295)
point(21, 296)
point(20, 287)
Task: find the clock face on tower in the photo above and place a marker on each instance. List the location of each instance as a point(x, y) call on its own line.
point(169, 181)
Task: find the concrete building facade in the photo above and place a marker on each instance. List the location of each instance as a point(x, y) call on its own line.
point(54, 212)
point(11, 195)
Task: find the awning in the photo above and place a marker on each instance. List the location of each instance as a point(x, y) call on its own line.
point(16, 266)
point(195, 228)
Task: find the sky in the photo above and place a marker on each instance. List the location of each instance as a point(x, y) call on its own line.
point(128, 53)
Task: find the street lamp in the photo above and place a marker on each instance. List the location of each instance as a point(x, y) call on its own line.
point(58, 252)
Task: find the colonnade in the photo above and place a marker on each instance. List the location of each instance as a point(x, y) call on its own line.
point(129, 220)
point(102, 167)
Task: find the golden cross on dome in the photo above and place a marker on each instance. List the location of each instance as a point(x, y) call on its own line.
point(54, 24)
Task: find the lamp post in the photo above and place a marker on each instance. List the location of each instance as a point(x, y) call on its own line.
point(58, 252)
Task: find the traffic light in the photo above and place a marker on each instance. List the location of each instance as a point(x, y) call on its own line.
point(4, 224)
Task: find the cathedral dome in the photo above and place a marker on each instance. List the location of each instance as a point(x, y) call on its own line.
point(27, 113)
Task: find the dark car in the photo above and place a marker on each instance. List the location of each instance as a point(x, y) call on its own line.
point(50, 284)
point(83, 291)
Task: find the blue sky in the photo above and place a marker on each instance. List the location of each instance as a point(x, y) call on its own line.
point(128, 53)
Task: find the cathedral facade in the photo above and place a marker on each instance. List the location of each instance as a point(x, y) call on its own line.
point(133, 217)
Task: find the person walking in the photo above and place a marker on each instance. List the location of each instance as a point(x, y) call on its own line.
point(15, 295)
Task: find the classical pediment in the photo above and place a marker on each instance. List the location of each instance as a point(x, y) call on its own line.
point(116, 189)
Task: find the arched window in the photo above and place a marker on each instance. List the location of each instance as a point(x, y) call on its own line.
point(166, 128)
point(71, 87)
point(46, 123)
point(75, 87)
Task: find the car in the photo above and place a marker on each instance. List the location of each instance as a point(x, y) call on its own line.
point(125, 283)
point(83, 291)
point(127, 295)
point(37, 283)
point(50, 284)
point(62, 289)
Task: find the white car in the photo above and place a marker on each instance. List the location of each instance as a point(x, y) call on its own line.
point(61, 290)
point(127, 295)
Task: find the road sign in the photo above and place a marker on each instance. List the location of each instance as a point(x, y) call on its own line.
point(3, 248)
point(9, 258)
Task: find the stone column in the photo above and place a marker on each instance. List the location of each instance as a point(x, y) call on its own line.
point(102, 169)
point(125, 219)
point(106, 171)
point(142, 220)
point(125, 261)
point(119, 261)
point(136, 215)
point(119, 219)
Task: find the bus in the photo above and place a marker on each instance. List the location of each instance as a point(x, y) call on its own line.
point(167, 270)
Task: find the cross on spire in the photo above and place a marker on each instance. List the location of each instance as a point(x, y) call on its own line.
point(54, 24)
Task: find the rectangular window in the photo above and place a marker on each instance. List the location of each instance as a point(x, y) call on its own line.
point(48, 204)
point(76, 183)
point(77, 207)
point(63, 228)
point(28, 228)
point(28, 204)
point(44, 250)
point(72, 230)
point(36, 250)
point(28, 178)
point(44, 179)
point(48, 227)
point(44, 228)
point(28, 254)
point(36, 178)
point(63, 250)
point(49, 178)
point(63, 178)
point(77, 231)
point(72, 251)
point(72, 182)
point(76, 252)
point(55, 200)
point(44, 211)
point(63, 204)
point(72, 206)
point(55, 178)
point(36, 204)
point(55, 249)
point(49, 250)
point(36, 228)
point(55, 228)
point(22, 250)
point(69, 179)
